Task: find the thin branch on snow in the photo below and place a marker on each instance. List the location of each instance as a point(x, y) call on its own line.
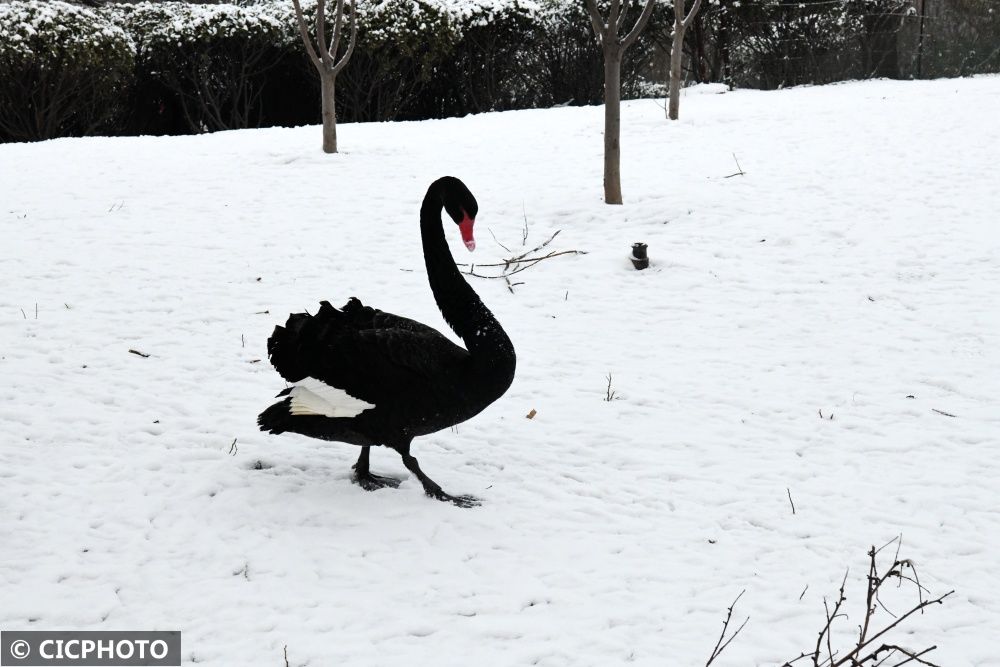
point(722, 643)
point(739, 169)
point(497, 241)
point(518, 263)
point(533, 260)
point(609, 394)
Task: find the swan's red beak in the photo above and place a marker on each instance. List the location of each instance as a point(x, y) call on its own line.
point(466, 228)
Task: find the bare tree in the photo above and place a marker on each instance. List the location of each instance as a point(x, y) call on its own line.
point(614, 48)
point(323, 55)
point(681, 24)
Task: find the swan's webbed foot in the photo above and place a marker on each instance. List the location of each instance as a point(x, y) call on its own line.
point(370, 482)
point(459, 501)
point(432, 488)
point(364, 478)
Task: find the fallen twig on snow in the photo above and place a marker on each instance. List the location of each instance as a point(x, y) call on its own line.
point(610, 393)
point(141, 354)
point(738, 173)
point(721, 645)
point(518, 263)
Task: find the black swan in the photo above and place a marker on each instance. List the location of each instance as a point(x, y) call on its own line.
point(366, 377)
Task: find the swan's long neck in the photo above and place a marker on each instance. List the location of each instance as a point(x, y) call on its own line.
point(461, 306)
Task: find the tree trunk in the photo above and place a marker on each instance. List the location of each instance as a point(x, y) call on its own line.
point(327, 88)
point(676, 56)
point(612, 126)
point(723, 71)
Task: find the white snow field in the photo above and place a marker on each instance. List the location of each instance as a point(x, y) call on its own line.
point(853, 271)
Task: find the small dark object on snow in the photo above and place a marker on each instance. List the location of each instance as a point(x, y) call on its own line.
point(639, 259)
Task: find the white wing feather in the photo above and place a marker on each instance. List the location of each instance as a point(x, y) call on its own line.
point(313, 397)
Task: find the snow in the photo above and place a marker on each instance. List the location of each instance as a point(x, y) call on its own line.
point(800, 335)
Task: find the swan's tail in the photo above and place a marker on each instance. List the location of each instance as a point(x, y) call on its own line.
point(277, 418)
point(299, 350)
point(308, 408)
point(292, 348)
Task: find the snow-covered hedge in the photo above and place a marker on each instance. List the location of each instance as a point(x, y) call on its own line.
point(488, 67)
point(403, 46)
point(157, 26)
point(205, 65)
point(62, 70)
point(174, 67)
point(181, 67)
point(532, 53)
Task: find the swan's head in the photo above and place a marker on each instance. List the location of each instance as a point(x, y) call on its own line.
point(462, 208)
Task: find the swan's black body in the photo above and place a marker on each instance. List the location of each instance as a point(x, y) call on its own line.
point(417, 380)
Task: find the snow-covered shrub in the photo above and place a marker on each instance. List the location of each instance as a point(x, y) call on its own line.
point(488, 68)
point(64, 71)
point(565, 64)
point(781, 45)
point(772, 44)
point(958, 38)
point(402, 46)
point(202, 66)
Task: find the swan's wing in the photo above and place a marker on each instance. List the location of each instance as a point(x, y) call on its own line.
point(373, 356)
point(391, 364)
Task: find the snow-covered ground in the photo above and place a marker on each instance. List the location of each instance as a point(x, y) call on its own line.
point(853, 271)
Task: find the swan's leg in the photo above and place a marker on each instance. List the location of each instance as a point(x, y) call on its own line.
point(364, 478)
point(431, 488)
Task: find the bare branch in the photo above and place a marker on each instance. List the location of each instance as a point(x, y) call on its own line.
point(795, 660)
point(497, 241)
point(825, 631)
point(350, 44)
point(694, 12)
point(509, 262)
point(321, 33)
point(633, 35)
point(862, 653)
point(597, 21)
point(622, 15)
point(915, 609)
point(514, 265)
point(338, 24)
point(720, 646)
point(304, 34)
